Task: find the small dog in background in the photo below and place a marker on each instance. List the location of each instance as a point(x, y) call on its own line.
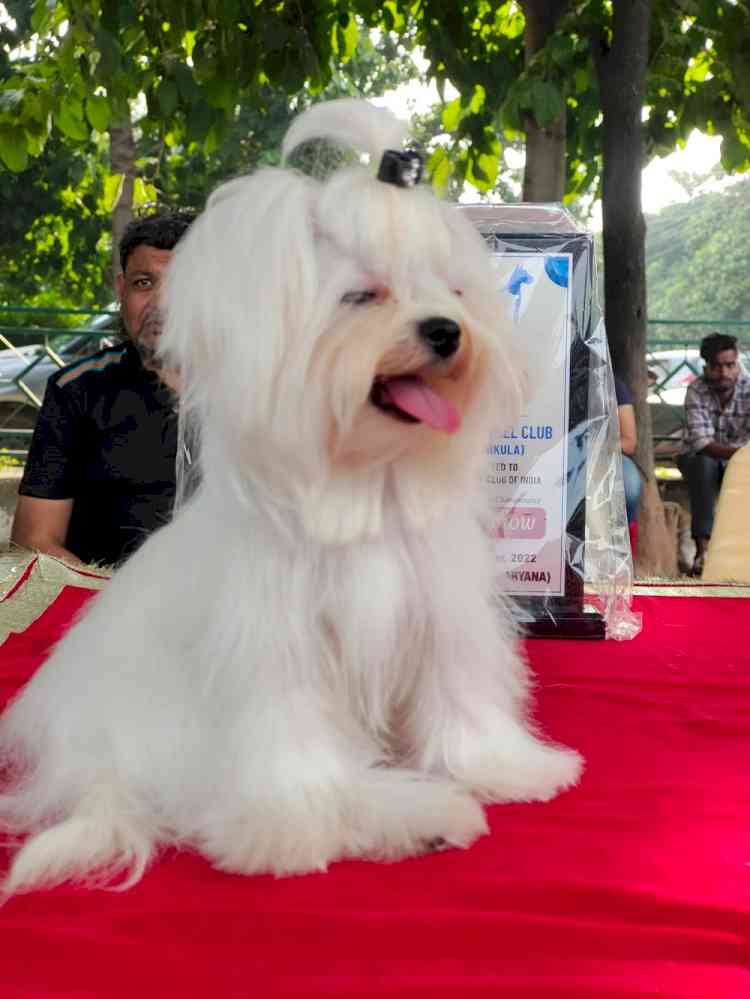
point(308, 662)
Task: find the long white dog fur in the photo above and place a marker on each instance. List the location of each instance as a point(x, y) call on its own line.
point(308, 662)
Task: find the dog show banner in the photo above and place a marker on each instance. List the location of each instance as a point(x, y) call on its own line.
point(536, 468)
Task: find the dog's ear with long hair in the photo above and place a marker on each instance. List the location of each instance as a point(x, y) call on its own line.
point(240, 284)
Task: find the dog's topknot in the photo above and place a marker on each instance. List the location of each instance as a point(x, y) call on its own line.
point(352, 125)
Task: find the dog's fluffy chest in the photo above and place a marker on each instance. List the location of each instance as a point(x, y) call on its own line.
point(377, 613)
point(375, 600)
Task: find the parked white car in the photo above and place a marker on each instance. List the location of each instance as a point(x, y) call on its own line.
point(16, 410)
point(674, 370)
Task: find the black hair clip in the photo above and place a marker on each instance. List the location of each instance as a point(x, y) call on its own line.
point(401, 169)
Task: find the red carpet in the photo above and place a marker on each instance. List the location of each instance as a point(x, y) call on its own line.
point(637, 883)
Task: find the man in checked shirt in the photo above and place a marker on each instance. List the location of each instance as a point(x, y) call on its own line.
point(717, 408)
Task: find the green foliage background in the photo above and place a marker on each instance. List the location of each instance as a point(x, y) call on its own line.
point(212, 85)
point(55, 244)
point(698, 258)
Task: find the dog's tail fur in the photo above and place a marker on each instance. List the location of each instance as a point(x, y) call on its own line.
point(99, 844)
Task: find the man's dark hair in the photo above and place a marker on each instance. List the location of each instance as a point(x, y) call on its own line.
point(714, 343)
point(162, 231)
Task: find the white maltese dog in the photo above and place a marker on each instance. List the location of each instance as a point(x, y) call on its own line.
point(309, 662)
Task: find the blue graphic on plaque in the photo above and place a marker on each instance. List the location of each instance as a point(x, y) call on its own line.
point(514, 287)
point(556, 269)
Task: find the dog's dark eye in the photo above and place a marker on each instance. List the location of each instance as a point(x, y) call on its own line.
point(457, 291)
point(358, 297)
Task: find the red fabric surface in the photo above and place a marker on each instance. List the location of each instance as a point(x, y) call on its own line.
point(636, 883)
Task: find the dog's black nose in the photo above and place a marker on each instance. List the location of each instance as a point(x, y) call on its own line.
point(441, 334)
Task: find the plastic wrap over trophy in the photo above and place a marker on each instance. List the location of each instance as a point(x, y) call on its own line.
point(559, 527)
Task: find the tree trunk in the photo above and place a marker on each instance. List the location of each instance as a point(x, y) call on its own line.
point(122, 159)
point(621, 62)
point(544, 172)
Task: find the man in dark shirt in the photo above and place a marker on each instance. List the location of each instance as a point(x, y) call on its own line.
point(100, 474)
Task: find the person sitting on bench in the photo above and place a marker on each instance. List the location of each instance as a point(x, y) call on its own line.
point(717, 410)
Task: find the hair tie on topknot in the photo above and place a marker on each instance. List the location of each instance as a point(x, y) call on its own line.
point(402, 169)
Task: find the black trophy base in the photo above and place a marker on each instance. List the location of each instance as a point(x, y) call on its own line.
point(557, 618)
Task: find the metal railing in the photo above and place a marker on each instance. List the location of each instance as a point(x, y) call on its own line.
point(22, 383)
point(692, 332)
point(26, 365)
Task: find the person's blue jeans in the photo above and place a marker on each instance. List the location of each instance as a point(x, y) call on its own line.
point(633, 487)
point(704, 476)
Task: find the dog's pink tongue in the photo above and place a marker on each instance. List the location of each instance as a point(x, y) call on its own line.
point(412, 396)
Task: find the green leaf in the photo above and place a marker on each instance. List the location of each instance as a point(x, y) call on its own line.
point(735, 152)
point(69, 119)
point(699, 67)
point(351, 37)
point(65, 57)
point(35, 116)
point(36, 142)
point(439, 168)
point(98, 112)
point(143, 192)
point(396, 18)
point(220, 92)
point(199, 121)
point(42, 15)
point(581, 80)
point(186, 84)
point(560, 48)
point(13, 148)
point(188, 43)
point(338, 40)
point(213, 139)
point(452, 115)
point(513, 22)
point(477, 99)
point(482, 169)
point(511, 113)
point(546, 102)
point(110, 57)
point(167, 96)
point(112, 189)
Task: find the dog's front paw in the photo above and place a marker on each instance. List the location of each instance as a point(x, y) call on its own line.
point(386, 815)
point(407, 814)
point(525, 770)
point(259, 846)
point(541, 772)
